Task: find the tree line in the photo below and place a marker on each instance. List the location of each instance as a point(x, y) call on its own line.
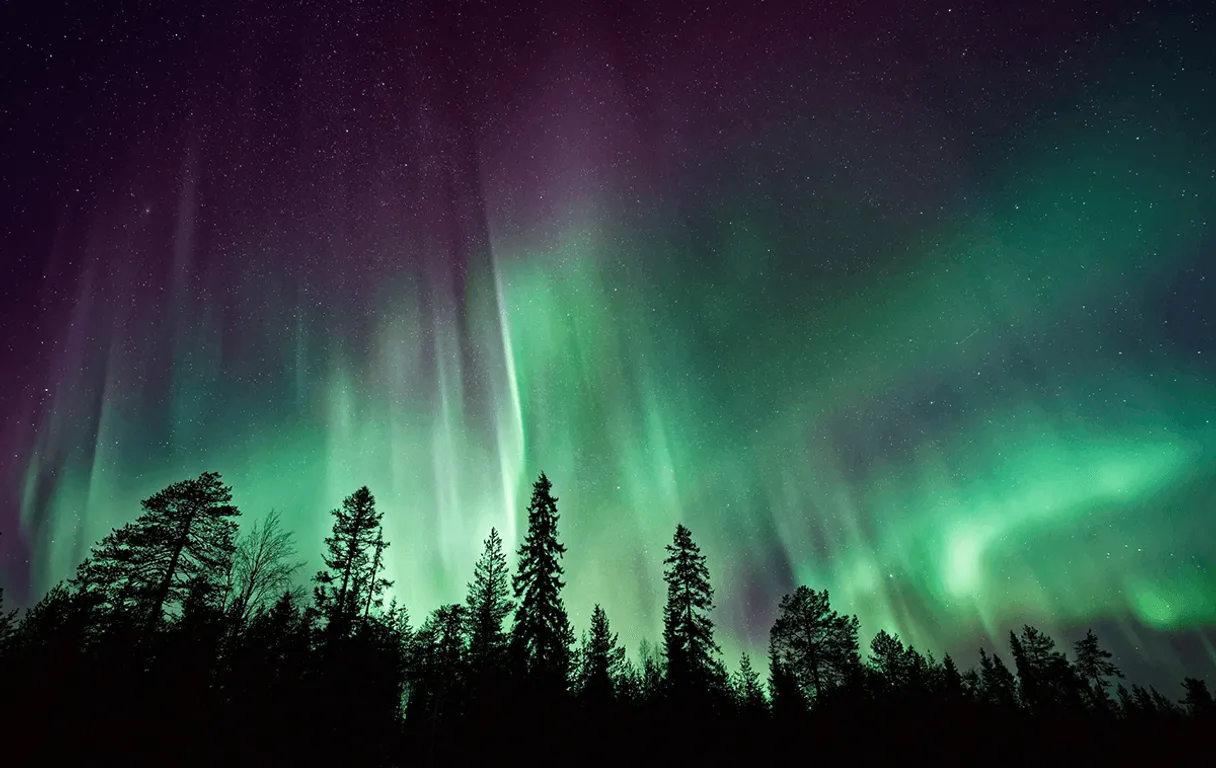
point(182, 640)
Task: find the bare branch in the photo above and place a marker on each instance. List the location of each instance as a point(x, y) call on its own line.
point(263, 565)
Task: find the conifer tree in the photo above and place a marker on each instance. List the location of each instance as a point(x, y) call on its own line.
point(541, 635)
point(813, 643)
point(488, 605)
point(997, 682)
point(600, 661)
point(891, 660)
point(1045, 678)
point(748, 691)
point(348, 559)
point(785, 691)
point(1197, 700)
point(374, 584)
point(186, 533)
point(688, 632)
point(439, 664)
point(1094, 666)
point(951, 680)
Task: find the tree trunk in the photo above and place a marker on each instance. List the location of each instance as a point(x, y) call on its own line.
point(162, 592)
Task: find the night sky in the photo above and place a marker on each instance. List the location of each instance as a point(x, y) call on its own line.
point(914, 301)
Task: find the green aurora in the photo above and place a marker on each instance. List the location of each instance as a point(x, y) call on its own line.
point(993, 428)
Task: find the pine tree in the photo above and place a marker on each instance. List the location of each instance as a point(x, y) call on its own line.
point(813, 643)
point(186, 533)
point(786, 693)
point(600, 661)
point(1197, 700)
point(997, 682)
point(439, 665)
point(1094, 666)
point(951, 680)
point(748, 692)
point(890, 659)
point(488, 603)
point(339, 589)
point(541, 635)
point(374, 585)
point(688, 632)
point(1046, 680)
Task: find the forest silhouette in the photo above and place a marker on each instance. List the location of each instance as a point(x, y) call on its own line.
point(182, 640)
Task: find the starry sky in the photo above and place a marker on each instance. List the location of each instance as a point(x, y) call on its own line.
point(912, 301)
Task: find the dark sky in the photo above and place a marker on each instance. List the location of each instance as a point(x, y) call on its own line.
point(913, 301)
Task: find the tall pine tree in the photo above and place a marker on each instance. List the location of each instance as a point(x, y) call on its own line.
point(688, 632)
point(185, 537)
point(541, 635)
point(342, 590)
point(1094, 666)
point(488, 604)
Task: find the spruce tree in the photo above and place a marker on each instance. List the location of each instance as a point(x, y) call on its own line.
point(688, 632)
point(600, 661)
point(374, 584)
point(1197, 700)
point(439, 665)
point(340, 589)
point(786, 693)
point(1094, 666)
point(813, 643)
point(748, 692)
point(891, 660)
point(1045, 678)
point(541, 635)
point(996, 681)
point(488, 604)
point(186, 534)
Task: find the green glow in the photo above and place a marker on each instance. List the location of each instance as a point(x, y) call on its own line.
point(1058, 491)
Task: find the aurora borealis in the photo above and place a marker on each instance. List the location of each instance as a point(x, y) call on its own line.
point(916, 304)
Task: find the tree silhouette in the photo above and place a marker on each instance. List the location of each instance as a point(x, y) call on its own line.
point(813, 643)
point(240, 667)
point(998, 684)
point(439, 665)
point(541, 634)
point(898, 667)
point(186, 533)
point(373, 584)
point(688, 632)
point(1046, 680)
point(262, 566)
point(651, 672)
point(1094, 666)
point(489, 604)
point(749, 693)
point(789, 701)
point(600, 661)
point(1197, 700)
point(347, 557)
